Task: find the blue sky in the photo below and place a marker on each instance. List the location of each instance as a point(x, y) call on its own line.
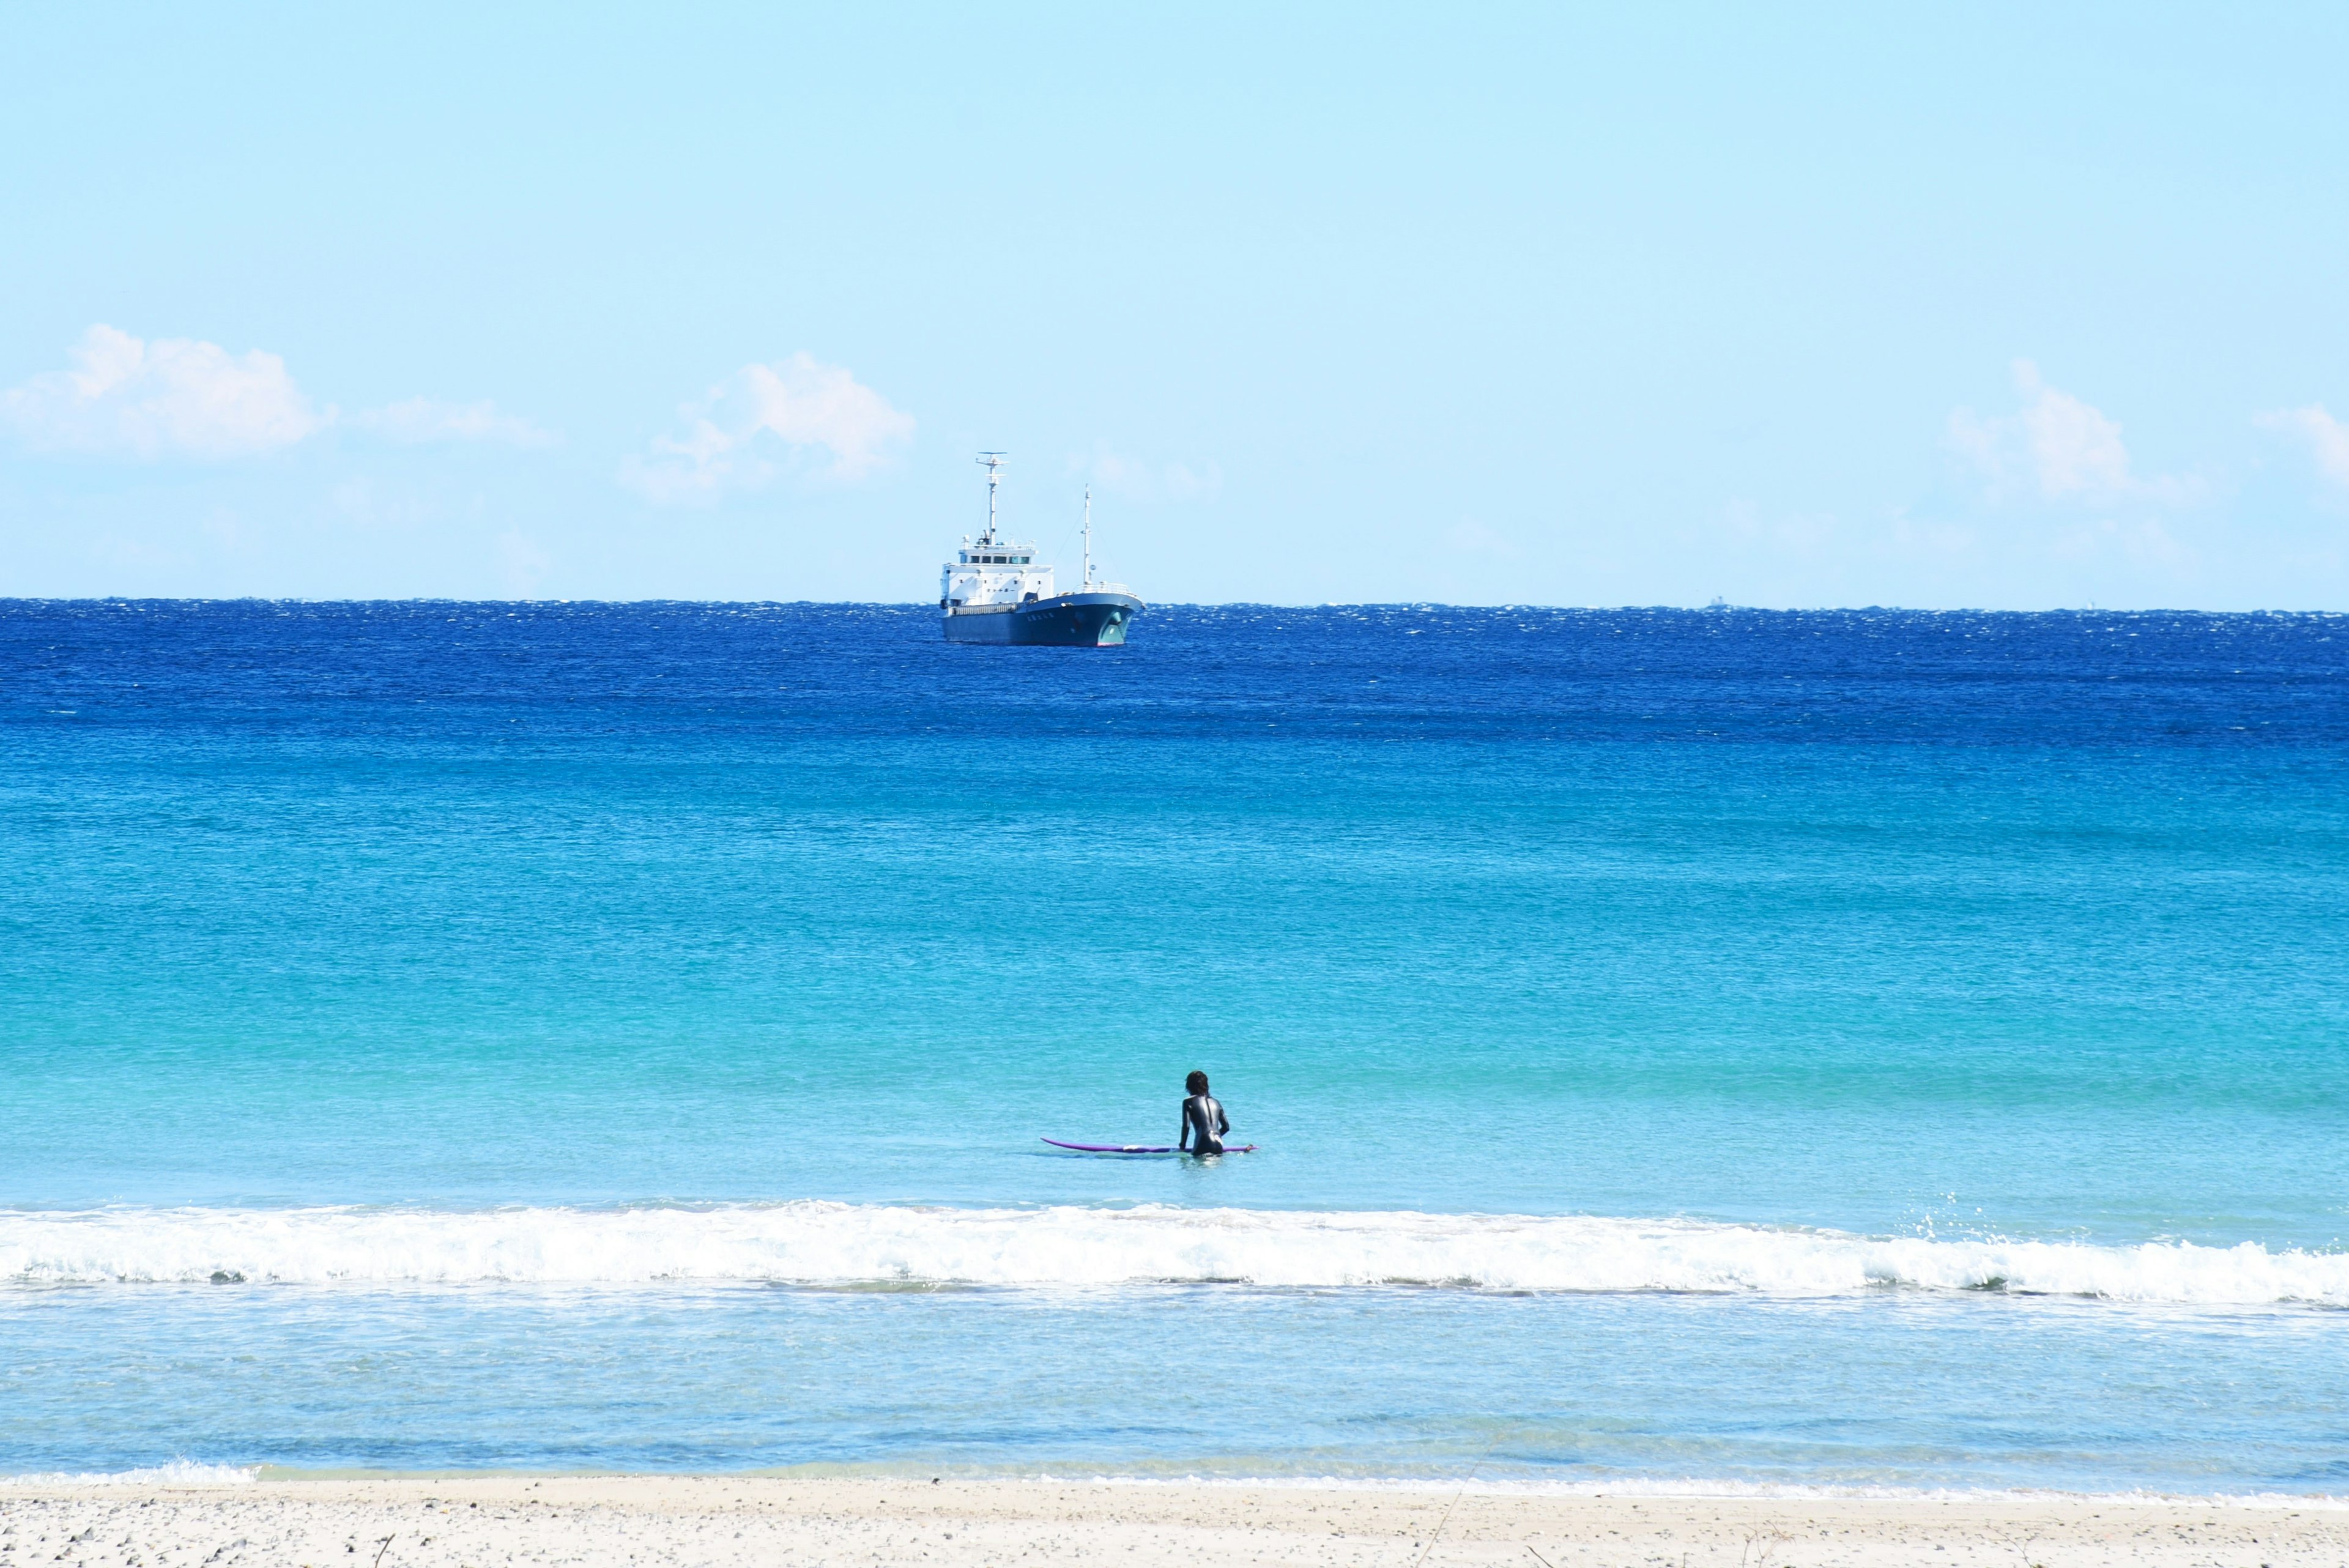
point(1988, 305)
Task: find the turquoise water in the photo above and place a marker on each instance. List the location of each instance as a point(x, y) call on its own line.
point(1861, 1048)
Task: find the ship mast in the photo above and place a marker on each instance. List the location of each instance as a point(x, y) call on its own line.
point(993, 462)
point(1089, 538)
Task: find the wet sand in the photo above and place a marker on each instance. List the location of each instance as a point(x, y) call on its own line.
point(855, 1523)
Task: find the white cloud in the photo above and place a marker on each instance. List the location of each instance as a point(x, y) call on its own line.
point(170, 397)
point(810, 416)
point(181, 397)
point(421, 420)
point(2328, 438)
point(2055, 444)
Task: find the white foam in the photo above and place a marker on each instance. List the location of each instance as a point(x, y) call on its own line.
point(1703, 1487)
point(824, 1243)
point(178, 1473)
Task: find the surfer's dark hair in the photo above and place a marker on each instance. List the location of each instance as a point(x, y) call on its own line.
point(1196, 1084)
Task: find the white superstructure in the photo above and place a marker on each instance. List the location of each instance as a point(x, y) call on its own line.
point(990, 569)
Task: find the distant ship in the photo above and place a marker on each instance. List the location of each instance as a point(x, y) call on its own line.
point(994, 590)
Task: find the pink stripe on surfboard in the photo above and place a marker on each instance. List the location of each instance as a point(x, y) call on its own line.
point(1135, 1148)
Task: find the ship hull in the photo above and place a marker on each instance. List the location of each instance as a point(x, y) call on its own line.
point(1066, 621)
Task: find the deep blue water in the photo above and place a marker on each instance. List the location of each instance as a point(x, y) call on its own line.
point(463, 978)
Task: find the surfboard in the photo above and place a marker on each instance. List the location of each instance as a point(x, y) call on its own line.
point(1138, 1147)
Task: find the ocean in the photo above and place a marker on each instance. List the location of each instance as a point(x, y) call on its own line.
point(1715, 1050)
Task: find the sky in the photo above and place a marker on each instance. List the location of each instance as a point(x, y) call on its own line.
point(1962, 307)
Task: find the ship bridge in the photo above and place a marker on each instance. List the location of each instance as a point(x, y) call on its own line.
point(989, 570)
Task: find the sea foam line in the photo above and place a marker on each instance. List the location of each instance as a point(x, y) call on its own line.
point(824, 1243)
point(177, 1472)
point(1637, 1486)
point(192, 1473)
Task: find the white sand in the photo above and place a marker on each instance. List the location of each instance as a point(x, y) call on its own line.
point(637, 1519)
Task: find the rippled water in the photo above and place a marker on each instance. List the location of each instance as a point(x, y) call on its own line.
point(1858, 1048)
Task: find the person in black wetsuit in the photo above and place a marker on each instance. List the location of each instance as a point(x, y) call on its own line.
point(1204, 1122)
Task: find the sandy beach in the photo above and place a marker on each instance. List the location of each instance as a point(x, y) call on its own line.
point(617, 1519)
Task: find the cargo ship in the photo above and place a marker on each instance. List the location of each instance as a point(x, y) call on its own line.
point(995, 590)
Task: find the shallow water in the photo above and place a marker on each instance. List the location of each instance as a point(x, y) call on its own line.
point(1911, 1042)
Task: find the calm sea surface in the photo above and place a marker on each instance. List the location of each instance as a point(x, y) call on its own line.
point(1848, 1049)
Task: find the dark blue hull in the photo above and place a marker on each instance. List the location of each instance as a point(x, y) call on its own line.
point(1068, 620)
point(1075, 620)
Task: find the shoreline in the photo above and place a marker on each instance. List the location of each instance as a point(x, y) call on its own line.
point(199, 1476)
point(958, 1522)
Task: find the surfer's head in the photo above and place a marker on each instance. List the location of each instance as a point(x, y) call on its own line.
point(1196, 1084)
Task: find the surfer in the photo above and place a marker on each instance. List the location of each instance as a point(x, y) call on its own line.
point(1204, 1122)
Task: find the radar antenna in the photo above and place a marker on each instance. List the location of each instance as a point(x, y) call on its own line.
point(993, 462)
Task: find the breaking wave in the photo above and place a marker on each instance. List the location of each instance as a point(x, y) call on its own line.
point(822, 1243)
point(177, 1472)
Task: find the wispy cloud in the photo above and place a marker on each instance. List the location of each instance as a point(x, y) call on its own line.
point(2142, 543)
point(527, 565)
point(184, 397)
point(1134, 479)
point(168, 396)
point(416, 420)
point(2327, 438)
point(2056, 446)
point(765, 419)
point(1470, 537)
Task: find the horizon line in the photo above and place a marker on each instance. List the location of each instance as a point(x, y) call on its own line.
point(1716, 607)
